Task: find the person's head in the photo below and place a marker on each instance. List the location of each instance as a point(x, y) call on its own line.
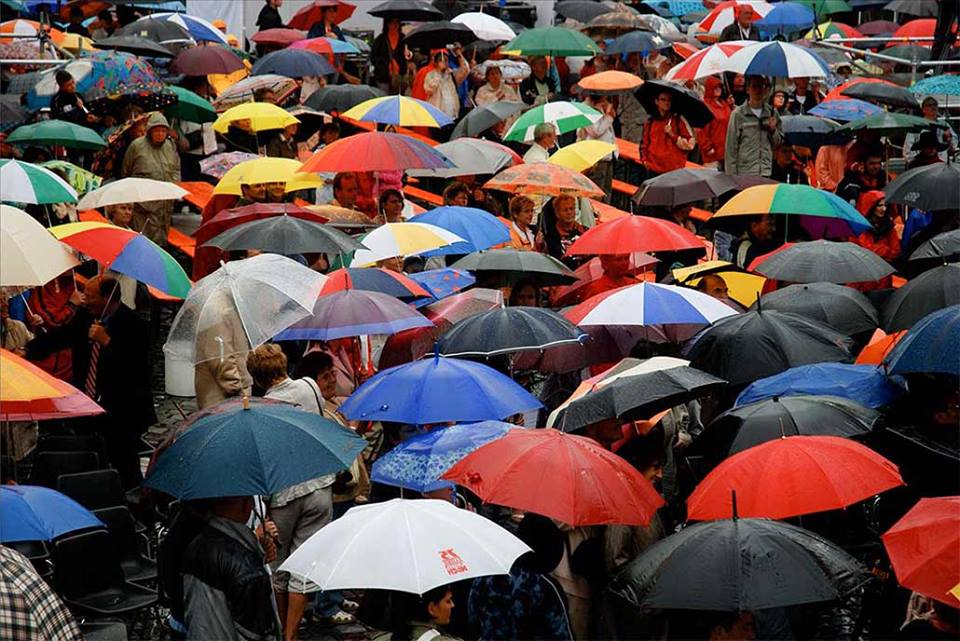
point(524, 293)
point(329, 15)
point(521, 211)
point(545, 540)
point(437, 604)
point(784, 155)
point(121, 214)
point(393, 264)
point(538, 65)
point(545, 135)
point(255, 192)
point(739, 83)
point(615, 264)
point(761, 227)
point(99, 294)
point(391, 25)
point(646, 454)
point(329, 132)
point(744, 15)
point(456, 194)
point(493, 76)
point(801, 85)
point(232, 508)
point(276, 4)
point(733, 625)
point(413, 264)
point(220, 25)
point(714, 285)
point(927, 145)
point(872, 205)
point(779, 99)
point(565, 208)
point(664, 103)
point(756, 89)
point(65, 81)
point(276, 191)
point(267, 365)
point(291, 130)
point(681, 213)
point(712, 88)
point(346, 188)
point(929, 107)
point(318, 366)
point(265, 94)
point(440, 60)
point(391, 205)
point(157, 129)
point(873, 164)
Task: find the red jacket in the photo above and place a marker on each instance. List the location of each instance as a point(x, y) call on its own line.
point(713, 137)
point(658, 149)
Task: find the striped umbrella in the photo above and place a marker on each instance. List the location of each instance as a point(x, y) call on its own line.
point(830, 29)
point(565, 116)
point(778, 60)
point(402, 239)
point(198, 28)
point(353, 312)
point(649, 304)
point(29, 255)
point(326, 46)
point(724, 14)
point(706, 62)
point(22, 182)
point(27, 28)
point(27, 393)
point(375, 151)
point(399, 110)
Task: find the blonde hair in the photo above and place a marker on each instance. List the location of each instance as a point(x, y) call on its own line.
point(267, 365)
point(517, 204)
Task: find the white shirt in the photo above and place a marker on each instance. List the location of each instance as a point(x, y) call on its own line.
point(536, 153)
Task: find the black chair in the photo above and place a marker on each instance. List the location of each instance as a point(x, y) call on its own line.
point(136, 567)
point(72, 443)
point(47, 466)
point(103, 631)
point(89, 578)
point(93, 490)
point(8, 469)
point(38, 555)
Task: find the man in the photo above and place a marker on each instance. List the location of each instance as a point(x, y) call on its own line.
point(153, 155)
point(616, 273)
point(66, 104)
point(714, 285)
point(742, 27)
point(786, 167)
point(928, 150)
point(282, 144)
point(111, 364)
point(539, 87)
point(544, 139)
point(753, 133)
point(860, 177)
point(269, 16)
point(346, 190)
point(947, 137)
point(758, 241)
point(802, 99)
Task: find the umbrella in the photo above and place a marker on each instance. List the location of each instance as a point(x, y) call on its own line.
point(552, 41)
point(442, 544)
point(393, 240)
point(742, 286)
point(924, 549)
point(82, 180)
point(509, 265)
point(438, 34)
point(571, 479)
point(705, 62)
point(399, 110)
point(472, 156)
point(485, 26)
point(643, 42)
point(264, 295)
point(745, 347)
point(931, 346)
point(940, 85)
point(354, 312)
point(242, 91)
point(34, 513)
point(134, 44)
point(635, 234)
point(878, 28)
point(821, 212)
point(229, 218)
point(191, 107)
point(202, 61)
point(157, 30)
point(826, 7)
point(832, 29)
point(512, 71)
point(406, 10)
point(29, 255)
point(682, 186)
point(22, 182)
point(375, 151)
point(261, 116)
point(420, 393)
point(266, 170)
point(543, 179)
point(311, 14)
point(737, 565)
point(254, 449)
point(685, 101)
point(583, 154)
point(845, 110)
point(12, 114)
point(417, 463)
point(27, 393)
point(57, 132)
point(374, 279)
point(932, 290)
point(340, 98)
point(786, 18)
point(293, 63)
point(879, 345)
point(285, 235)
point(922, 8)
point(723, 15)
point(279, 36)
point(888, 123)
point(864, 384)
point(630, 390)
point(131, 190)
point(943, 247)
point(610, 82)
point(812, 131)
point(931, 188)
point(126, 252)
point(923, 28)
point(565, 117)
point(327, 46)
point(882, 93)
point(479, 229)
point(479, 119)
point(582, 10)
point(910, 53)
point(442, 283)
point(843, 308)
point(509, 330)
point(198, 28)
point(824, 261)
point(619, 21)
point(649, 304)
point(779, 60)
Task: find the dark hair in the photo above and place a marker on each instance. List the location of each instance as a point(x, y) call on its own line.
point(63, 77)
point(340, 177)
point(258, 94)
point(106, 284)
point(453, 190)
point(518, 286)
point(548, 226)
point(313, 363)
point(413, 264)
point(387, 193)
point(544, 538)
point(328, 127)
point(406, 608)
point(76, 12)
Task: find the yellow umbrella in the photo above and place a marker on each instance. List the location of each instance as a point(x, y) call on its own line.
point(259, 115)
point(955, 591)
point(742, 286)
point(267, 170)
point(75, 43)
point(582, 155)
point(221, 81)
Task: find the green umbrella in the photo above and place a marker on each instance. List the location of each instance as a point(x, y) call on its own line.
point(825, 7)
point(888, 123)
point(57, 132)
point(23, 182)
point(79, 178)
point(552, 41)
point(565, 116)
point(191, 107)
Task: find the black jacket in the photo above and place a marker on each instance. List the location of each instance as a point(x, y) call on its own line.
point(732, 32)
point(528, 88)
point(269, 18)
point(380, 56)
point(68, 107)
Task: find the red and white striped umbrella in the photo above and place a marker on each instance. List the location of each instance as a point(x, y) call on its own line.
point(723, 15)
point(706, 62)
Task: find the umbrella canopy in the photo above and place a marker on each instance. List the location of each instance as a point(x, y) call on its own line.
point(327, 46)
point(479, 229)
point(23, 182)
point(511, 265)
point(786, 18)
point(924, 547)
point(736, 565)
point(293, 63)
point(882, 93)
point(723, 15)
point(583, 154)
point(406, 10)
point(373, 279)
point(637, 42)
point(442, 544)
point(941, 247)
point(930, 347)
point(552, 41)
point(932, 188)
point(57, 132)
point(198, 28)
point(202, 61)
point(684, 101)
point(311, 14)
point(831, 29)
point(375, 151)
point(485, 26)
point(191, 107)
point(864, 384)
point(878, 27)
point(278, 36)
point(27, 393)
point(393, 240)
point(568, 478)
point(610, 82)
point(812, 131)
point(157, 30)
point(778, 60)
point(417, 463)
point(793, 476)
point(285, 235)
point(34, 513)
point(266, 170)
point(635, 234)
point(399, 110)
point(565, 117)
point(340, 98)
point(242, 91)
point(843, 308)
point(745, 347)
point(419, 393)
point(910, 53)
point(650, 304)
point(438, 34)
point(582, 10)
point(821, 213)
point(134, 44)
point(261, 116)
point(472, 156)
point(823, 261)
point(131, 190)
point(705, 62)
point(845, 110)
point(29, 255)
point(544, 179)
point(922, 8)
point(252, 449)
point(682, 186)
point(939, 85)
point(229, 218)
point(479, 119)
point(442, 283)
point(921, 28)
point(354, 312)
point(82, 180)
point(932, 290)
point(509, 330)
point(879, 346)
point(887, 123)
point(826, 7)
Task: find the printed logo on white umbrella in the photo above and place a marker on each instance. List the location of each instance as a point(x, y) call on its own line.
point(452, 562)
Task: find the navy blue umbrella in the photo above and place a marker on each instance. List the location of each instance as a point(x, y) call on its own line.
point(34, 513)
point(252, 449)
point(932, 346)
point(812, 131)
point(293, 63)
point(864, 384)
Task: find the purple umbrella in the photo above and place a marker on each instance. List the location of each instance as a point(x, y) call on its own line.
point(354, 312)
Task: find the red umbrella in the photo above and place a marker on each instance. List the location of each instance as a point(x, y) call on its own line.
point(635, 234)
point(924, 548)
point(205, 60)
point(313, 13)
point(793, 476)
point(878, 28)
point(752, 267)
point(375, 279)
point(920, 28)
point(562, 476)
point(229, 218)
point(282, 37)
point(375, 151)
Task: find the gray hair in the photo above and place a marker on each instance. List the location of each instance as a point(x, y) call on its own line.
point(543, 130)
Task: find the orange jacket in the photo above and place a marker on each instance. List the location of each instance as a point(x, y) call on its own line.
point(713, 137)
point(658, 149)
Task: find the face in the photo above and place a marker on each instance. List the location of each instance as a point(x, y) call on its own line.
point(276, 191)
point(615, 264)
point(654, 472)
point(392, 207)
point(327, 382)
point(275, 3)
point(329, 14)
point(525, 216)
point(930, 109)
point(494, 77)
point(441, 611)
point(461, 199)
point(440, 63)
point(566, 210)
point(715, 286)
point(268, 96)
point(763, 228)
point(779, 99)
point(158, 134)
point(93, 300)
point(255, 193)
point(70, 86)
point(746, 16)
point(664, 103)
point(120, 215)
point(801, 84)
point(347, 194)
point(872, 166)
point(539, 67)
point(548, 140)
point(329, 136)
point(756, 89)
point(525, 296)
point(291, 130)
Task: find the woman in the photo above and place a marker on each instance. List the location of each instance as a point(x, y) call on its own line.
point(327, 26)
point(779, 102)
point(559, 227)
point(456, 194)
point(524, 293)
point(883, 239)
point(667, 138)
point(421, 618)
point(602, 172)
point(495, 89)
point(391, 206)
point(440, 84)
point(522, 237)
point(389, 57)
point(713, 137)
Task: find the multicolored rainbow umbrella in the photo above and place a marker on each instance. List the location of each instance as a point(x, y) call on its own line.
point(127, 252)
point(27, 393)
point(399, 110)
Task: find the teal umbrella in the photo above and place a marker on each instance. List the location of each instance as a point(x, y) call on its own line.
point(887, 123)
point(938, 85)
point(57, 132)
point(191, 107)
point(23, 182)
point(565, 116)
point(825, 7)
point(552, 41)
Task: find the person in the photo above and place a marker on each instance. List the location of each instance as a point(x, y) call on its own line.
point(882, 240)
point(329, 134)
point(389, 57)
point(538, 87)
point(221, 368)
point(544, 138)
point(630, 112)
point(802, 99)
point(830, 165)
point(265, 94)
point(456, 194)
point(283, 144)
point(930, 619)
point(559, 226)
point(14, 334)
point(111, 364)
point(753, 132)
point(391, 205)
point(226, 586)
point(346, 189)
point(742, 27)
point(495, 89)
point(269, 16)
point(928, 149)
point(522, 237)
point(667, 138)
point(195, 140)
point(153, 155)
point(713, 137)
point(104, 25)
point(440, 84)
point(602, 172)
point(714, 285)
point(787, 168)
point(862, 176)
point(121, 215)
point(327, 26)
point(76, 22)
point(31, 609)
point(421, 618)
point(66, 104)
point(616, 273)
point(759, 240)
point(778, 101)
point(524, 293)
point(929, 108)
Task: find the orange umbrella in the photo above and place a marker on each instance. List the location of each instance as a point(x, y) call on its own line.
point(920, 28)
point(543, 179)
point(879, 346)
point(27, 393)
point(607, 82)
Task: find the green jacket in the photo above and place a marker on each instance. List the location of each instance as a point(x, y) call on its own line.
point(750, 144)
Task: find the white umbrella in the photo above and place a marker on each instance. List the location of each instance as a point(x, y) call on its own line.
point(131, 190)
point(486, 27)
point(470, 156)
point(401, 239)
point(29, 254)
point(405, 545)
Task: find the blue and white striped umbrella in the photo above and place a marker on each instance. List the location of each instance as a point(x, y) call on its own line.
point(777, 60)
point(199, 29)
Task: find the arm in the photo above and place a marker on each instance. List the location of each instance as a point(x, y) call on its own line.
point(431, 82)
point(776, 134)
point(461, 73)
point(56, 338)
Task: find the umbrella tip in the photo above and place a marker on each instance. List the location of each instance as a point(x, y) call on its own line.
point(759, 308)
point(782, 433)
point(246, 402)
point(436, 352)
point(733, 502)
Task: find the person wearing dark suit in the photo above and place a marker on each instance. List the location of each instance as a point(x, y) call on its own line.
point(111, 365)
point(742, 27)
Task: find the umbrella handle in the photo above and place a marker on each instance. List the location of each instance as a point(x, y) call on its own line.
point(219, 340)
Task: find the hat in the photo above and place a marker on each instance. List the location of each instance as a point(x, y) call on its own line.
point(157, 119)
point(928, 139)
point(219, 24)
point(868, 200)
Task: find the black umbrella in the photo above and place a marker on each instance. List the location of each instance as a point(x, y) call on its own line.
point(408, 10)
point(479, 119)
point(920, 8)
point(436, 35)
point(504, 267)
point(909, 52)
point(753, 345)
point(12, 113)
point(285, 235)
point(636, 42)
point(582, 10)
point(135, 45)
point(942, 246)
point(932, 188)
point(928, 292)
point(812, 131)
point(737, 565)
point(825, 261)
point(842, 308)
point(155, 29)
point(882, 93)
point(508, 330)
point(682, 186)
point(340, 98)
point(685, 101)
point(745, 181)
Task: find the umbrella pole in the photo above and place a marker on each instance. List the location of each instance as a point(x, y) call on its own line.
point(273, 595)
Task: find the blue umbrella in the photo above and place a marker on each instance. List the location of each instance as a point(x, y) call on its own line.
point(939, 85)
point(865, 384)
point(845, 110)
point(636, 41)
point(354, 312)
point(438, 390)
point(480, 229)
point(199, 29)
point(252, 449)
point(293, 63)
point(932, 346)
point(812, 131)
point(34, 513)
point(417, 463)
point(786, 17)
point(442, 283)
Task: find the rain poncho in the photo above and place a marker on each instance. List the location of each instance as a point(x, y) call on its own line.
point(146, 160)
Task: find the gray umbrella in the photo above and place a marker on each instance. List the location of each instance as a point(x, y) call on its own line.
point(825, 261)
point(842, 308)
point(507, 266)
point(136, 45)
point(682, 186)
point(932, 188)
point(285, 235)
point(921, 8)
point(882, 93)
point(945, 245)
point(509, 330)
point(928, 292)
point(482, 118)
